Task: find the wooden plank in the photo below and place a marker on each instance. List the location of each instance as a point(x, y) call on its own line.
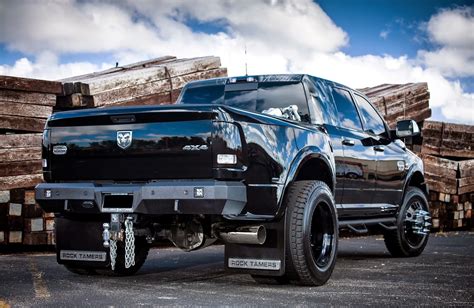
point(4, 196)
point(29, 197)
point(20, 167)
point(440, 184)
point(20, 141)
point(466, 168)
point(462, 182)
point(35, 238)
point(448, 139)
point(25, 110)
point(466, 189)
point(129, 78)
point(74, 100)
point(17, 123)
point(32, 211)
point(15, 237)
point(33, 224)
point(153, 99)
point(19, 154)
point(18, 181)
point(15, 223)
point(76, 88)
point(152, 88)
point(14, 209)
point(136, 65)
point(30, 85)
point(49, 224)
point(33, 98)
point(440, 166)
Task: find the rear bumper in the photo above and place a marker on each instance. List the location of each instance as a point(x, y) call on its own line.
point(156, 198)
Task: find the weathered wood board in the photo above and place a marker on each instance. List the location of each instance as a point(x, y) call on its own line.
point(30, 85)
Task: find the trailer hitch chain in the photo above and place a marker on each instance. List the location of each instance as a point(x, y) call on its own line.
point(113, 232)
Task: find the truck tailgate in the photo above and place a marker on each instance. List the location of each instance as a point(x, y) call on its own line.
point(174, 147)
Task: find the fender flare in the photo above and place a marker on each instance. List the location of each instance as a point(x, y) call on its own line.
point(411, 172)
point(305, 154)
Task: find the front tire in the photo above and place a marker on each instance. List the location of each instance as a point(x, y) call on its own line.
point(312, 233)
point(406, 241)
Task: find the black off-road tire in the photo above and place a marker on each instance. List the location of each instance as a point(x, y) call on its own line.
point(312, 233)
point(397, 241)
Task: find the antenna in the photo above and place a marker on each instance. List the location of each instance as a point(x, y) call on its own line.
point(246, 73)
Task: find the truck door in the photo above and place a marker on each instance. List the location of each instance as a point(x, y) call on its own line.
point(359, 158)
point(323, 112)
point(391, 163)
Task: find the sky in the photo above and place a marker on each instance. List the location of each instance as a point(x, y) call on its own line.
point(359, 43)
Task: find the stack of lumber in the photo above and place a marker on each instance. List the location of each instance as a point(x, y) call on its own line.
point(25, 104)
point(22, 221)
point(448, 155)
point(157, 81)
point(448, 139)
point(400, 101)
point(20, 160)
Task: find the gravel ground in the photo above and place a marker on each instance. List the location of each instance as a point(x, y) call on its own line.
point(365, 274)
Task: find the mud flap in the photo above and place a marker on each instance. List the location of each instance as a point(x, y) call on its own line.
point(267, 259)
point(79, 243)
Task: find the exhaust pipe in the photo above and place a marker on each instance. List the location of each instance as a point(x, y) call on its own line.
point(244, 235)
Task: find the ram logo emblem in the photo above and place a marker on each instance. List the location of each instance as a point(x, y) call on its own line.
point(124, 138)
point(195, 147)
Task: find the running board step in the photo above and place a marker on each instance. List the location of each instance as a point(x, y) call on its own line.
point(360, 225)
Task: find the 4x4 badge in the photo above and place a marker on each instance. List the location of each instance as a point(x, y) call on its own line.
point(124, 138)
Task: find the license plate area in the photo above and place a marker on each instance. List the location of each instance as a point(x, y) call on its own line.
point(117, 201)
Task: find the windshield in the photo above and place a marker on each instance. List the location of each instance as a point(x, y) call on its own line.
point(281, 99)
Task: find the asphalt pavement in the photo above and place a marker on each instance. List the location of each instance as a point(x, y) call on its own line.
point(365, 274)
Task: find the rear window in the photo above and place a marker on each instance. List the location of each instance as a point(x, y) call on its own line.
point(274, 98)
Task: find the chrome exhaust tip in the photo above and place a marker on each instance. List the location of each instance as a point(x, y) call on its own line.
point(255, 235)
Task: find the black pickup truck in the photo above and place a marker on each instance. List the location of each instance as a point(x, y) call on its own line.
point(272, 166)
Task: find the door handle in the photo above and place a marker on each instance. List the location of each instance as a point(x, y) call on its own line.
point(379, 148)
point(348, 142)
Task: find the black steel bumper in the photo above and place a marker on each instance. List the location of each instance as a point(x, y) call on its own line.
point(159, 197)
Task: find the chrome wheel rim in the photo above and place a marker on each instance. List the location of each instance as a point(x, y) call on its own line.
point(417, 223)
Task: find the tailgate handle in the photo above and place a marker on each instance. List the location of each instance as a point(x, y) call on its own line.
point(123, 119)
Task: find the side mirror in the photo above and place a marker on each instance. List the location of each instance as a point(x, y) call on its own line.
point(407, 128)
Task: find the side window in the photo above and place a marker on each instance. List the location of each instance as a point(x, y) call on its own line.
point(346, 110)
point(372, 121)
point(321, 105)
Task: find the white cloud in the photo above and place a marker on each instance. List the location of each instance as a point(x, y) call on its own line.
point(384, 34)
point(47, 66)
point(453, 31)
point(281, 36)
point(453, 27)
